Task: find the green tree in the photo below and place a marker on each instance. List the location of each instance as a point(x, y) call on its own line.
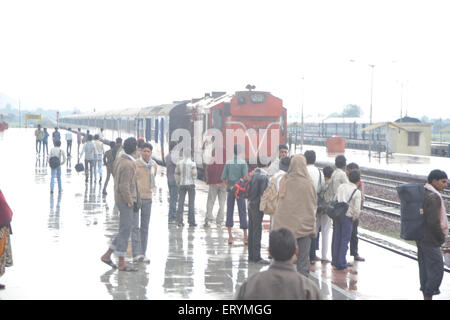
point(352, 111)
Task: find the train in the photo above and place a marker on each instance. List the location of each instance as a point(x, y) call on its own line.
point(256, 120)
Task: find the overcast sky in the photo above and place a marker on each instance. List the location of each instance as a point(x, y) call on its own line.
point(119, 54)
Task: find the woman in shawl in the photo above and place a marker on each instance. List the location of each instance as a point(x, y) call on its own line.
point(296, 209)
point(5, 231)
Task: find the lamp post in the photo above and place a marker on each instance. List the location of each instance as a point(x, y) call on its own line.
point(371, 96)
point(303, 100)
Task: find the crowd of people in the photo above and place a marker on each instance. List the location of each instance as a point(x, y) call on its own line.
point(301, 191)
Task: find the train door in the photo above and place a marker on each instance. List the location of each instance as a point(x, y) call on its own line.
point(148, 129)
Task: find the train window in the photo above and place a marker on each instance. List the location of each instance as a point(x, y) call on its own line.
point(241, 100)
point(217, 119)
point(257, 98)
point(413, 139)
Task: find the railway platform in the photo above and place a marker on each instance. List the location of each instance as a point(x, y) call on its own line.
point(58, 239)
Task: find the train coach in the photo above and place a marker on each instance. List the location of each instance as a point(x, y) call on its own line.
point(254, 119)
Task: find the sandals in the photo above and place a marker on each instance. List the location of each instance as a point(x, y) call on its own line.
point(128, 269)
point(109, 263)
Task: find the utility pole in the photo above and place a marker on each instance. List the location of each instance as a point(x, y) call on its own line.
point(371, 99)
point(303, 125)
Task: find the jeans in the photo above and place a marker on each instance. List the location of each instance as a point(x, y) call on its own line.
point(98, 166)
point(255, 218)
point(173, 199)
point(182, 195)
point(139, 234)
point(304, 245)
point(354, 239)
point(45, 147)
point(120, 242)
point(342, 232)
point(90, 164)
point(38, 143)
point(108, 175)
point(431, 268)
point(230, 211)
point(69, 147)
point(55, 172)
point(216, 191)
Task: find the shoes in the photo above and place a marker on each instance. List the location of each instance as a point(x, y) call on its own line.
point(180, 224)
point(358, 258)
point(230, 241)
point(173, 222)
point(349, 264)
point(109, 263)
point(128, 269)
point(192, 224)
point(315, 259)
point(207, 225)
point(262, 261)
point(325, 261)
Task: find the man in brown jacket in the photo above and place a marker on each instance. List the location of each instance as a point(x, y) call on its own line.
point(125, 196)
point(281, 281)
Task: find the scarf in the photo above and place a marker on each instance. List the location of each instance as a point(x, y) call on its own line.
point(5, 211)
point(444, 220)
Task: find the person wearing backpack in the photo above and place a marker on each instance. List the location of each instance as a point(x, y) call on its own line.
point(429, 255)
point(56, 153)
point(258, 185)
point(318, 180)
point(234, 170)
point(342, 228)
point(56, 135)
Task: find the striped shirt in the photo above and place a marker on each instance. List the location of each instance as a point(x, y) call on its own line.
point(186, 172)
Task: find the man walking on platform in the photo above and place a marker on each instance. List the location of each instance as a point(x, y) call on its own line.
point(69, 142)
point(172, 184)
point(56, 172)
point(125, 196)
point(185, 175)
point(89, 158)
point(79, 138)
point(217, 189)
point(39, 137)
point(145, 168)
point(56, 136)
point(99, 160)
point(108, 160)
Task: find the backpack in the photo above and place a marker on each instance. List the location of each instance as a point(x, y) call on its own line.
point(242, 187)
point(412, 220)
point(54, 161)
point(338, 209)
point(321, 203)
point(269, 199)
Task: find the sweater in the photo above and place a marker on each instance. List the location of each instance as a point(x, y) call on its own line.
point(125, 181)
point(144, 178)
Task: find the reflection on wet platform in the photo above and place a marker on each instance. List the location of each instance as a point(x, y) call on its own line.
point(58, 240)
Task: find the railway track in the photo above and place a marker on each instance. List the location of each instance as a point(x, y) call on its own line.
point(392, 184)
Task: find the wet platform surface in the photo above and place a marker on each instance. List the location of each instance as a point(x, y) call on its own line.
point(58, 239)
